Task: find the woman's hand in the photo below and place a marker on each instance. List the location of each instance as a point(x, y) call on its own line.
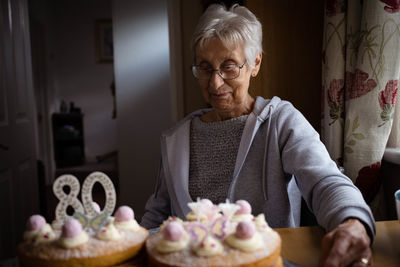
point(346, 245)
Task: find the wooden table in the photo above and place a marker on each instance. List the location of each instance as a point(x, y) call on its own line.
point(302, 245)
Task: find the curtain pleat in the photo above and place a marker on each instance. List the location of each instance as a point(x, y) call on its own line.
point(360, 83)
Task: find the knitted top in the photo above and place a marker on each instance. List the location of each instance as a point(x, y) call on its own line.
point(213, 150)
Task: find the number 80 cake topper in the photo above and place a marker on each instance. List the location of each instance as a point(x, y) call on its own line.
point(84, 213)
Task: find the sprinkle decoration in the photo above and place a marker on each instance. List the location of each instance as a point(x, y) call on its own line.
point(219, 227)
point(197, 231)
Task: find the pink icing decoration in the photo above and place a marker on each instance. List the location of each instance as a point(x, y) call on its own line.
point(245, 230)
point(35, 222)
point(124, 214)
point(173, 231)
point(71, 228)
point(245, 207)
point(96, 207)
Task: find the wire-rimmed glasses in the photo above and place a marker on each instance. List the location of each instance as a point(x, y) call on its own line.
point(228, 71)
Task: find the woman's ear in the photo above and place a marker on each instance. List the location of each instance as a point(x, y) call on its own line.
point(257, 65)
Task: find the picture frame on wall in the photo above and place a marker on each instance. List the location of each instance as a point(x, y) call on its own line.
point(104, 41)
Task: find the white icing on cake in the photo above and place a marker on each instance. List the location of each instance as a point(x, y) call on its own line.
point(248, 245)
point(76, 239)
point(202, 210)
point(209, 247)
point(261, 223)
point(170, 219)
point(230, 256)
point(44, 234)
point(192, 216)
point(57, 225)
point(108, 232)
point(228, 209)
point(71, 242)
point(242, 217)
point(166, 246)
point(131, 225)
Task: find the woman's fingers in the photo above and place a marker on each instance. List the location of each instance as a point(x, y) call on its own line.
point(365, 260)
point(346, 245)
point(326, 245)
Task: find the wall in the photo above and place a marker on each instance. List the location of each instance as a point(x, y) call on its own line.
point(72, 70)
point(191, 12)
point(292, 44)
point(79, 78)
point(141, 59)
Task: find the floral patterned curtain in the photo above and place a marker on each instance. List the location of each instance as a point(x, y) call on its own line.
point(360, 80)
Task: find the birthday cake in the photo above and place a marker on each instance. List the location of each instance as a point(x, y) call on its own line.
point(90, 237)
point(215, 235)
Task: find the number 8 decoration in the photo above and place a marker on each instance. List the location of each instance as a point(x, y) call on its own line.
point(72, 200)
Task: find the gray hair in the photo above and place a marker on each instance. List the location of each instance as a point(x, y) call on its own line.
point(234, 27)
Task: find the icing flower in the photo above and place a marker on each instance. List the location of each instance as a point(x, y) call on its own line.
point(124, 214)
point(202, 210)
point(173, 231)
point(35, 222)
point(245, 230)
point(244, 211)
point(71, 228)
point(124, 219)
point(170, 219)
point(37, 230)
point(228, 208)
point(261, 223)
point(109, 232)
point(209, 247)
point(246, 237)
point(174, 238)
point(244, 207)
point(72, 234)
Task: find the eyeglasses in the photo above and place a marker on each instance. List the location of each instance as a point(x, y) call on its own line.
point(227, 71)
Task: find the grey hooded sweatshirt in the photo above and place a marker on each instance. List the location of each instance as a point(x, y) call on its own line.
point(280, 159)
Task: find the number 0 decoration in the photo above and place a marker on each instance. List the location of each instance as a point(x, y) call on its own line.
point(87, 193)
point(71, 199)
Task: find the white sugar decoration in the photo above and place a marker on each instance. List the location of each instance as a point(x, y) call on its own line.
point(228, 209)
point(196, 207)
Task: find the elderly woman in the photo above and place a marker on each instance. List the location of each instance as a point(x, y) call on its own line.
point(260, 150)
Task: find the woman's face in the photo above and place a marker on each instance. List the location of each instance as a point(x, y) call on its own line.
point(225, 96)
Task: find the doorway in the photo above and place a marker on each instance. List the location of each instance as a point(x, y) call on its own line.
point(73, 73)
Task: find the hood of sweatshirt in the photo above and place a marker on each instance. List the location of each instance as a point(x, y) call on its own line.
point(175, 149)
point(262, 111)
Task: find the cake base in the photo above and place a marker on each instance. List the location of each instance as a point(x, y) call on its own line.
point(262, 263)
point(269, 256)
point(93, 253)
